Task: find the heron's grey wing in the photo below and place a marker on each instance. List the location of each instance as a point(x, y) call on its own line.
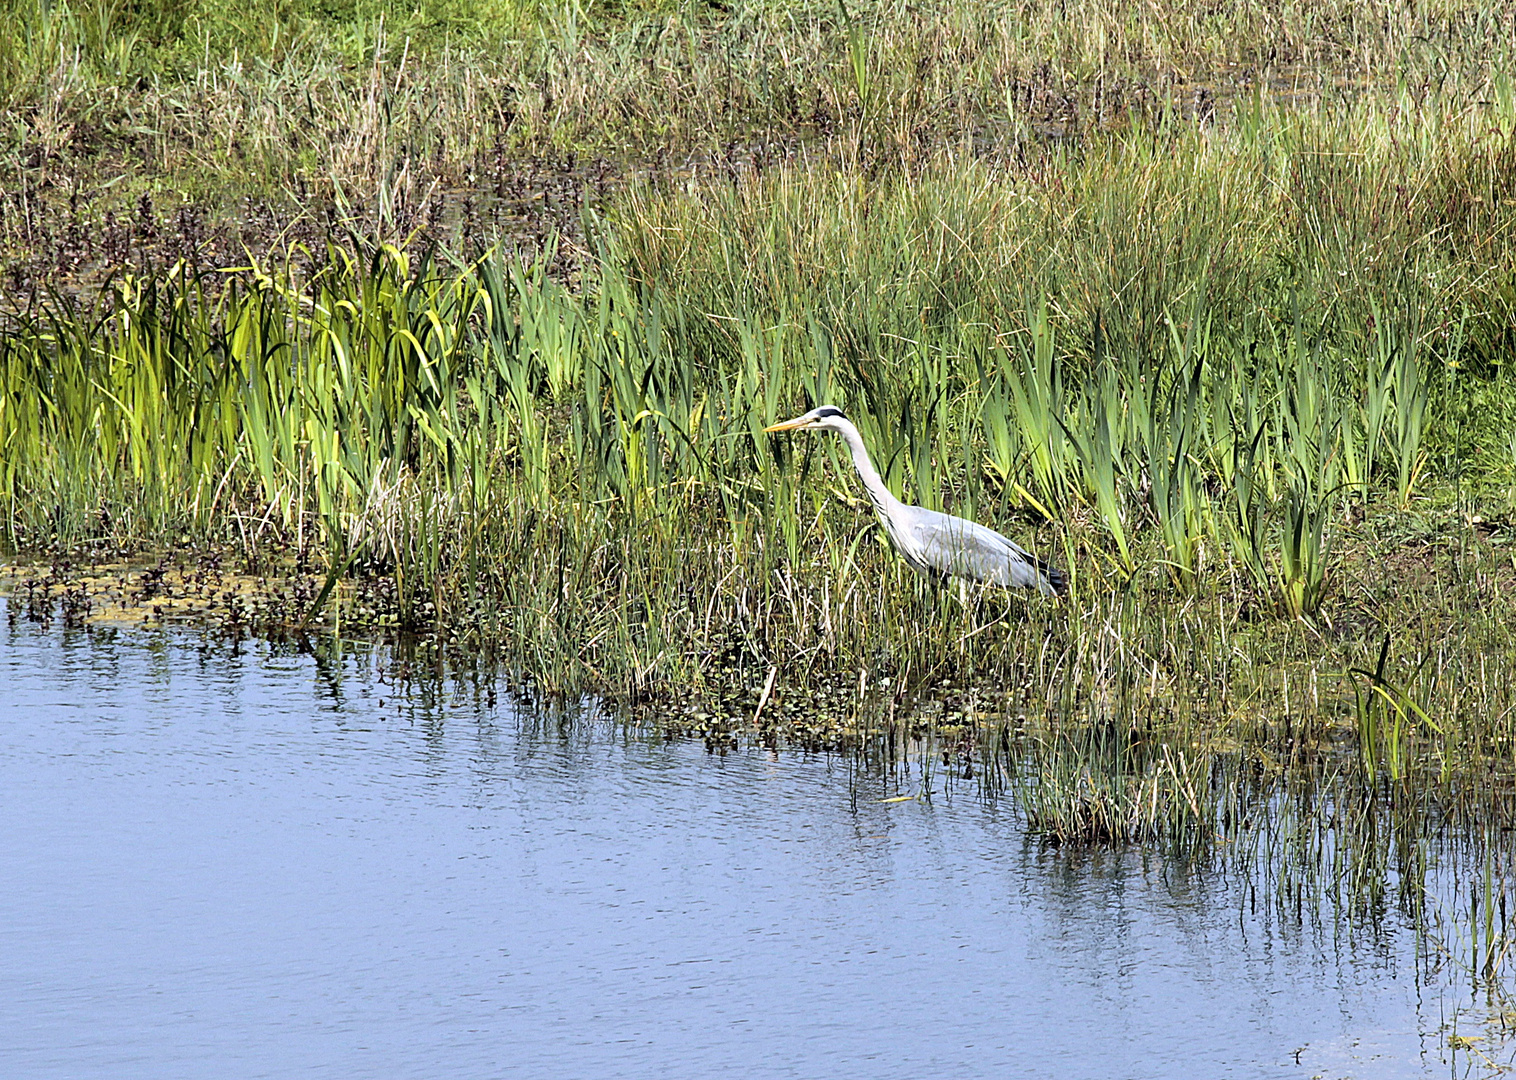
point(955, 545)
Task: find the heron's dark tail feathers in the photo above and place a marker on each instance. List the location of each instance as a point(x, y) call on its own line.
point(1057, 578)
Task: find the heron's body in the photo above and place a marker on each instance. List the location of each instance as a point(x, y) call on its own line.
point(934, 543)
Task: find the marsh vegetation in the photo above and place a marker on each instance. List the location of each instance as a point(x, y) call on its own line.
point(470, 319)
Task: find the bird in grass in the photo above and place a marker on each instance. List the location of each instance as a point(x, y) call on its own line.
point(932, 543)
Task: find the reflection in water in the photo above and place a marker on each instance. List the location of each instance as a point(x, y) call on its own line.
point(257, 863)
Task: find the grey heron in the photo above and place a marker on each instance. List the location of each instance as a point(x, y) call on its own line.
point(934, 543)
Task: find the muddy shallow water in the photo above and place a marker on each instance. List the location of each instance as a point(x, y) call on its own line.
point(253, 863)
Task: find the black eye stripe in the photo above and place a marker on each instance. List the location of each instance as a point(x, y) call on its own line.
point(827, 411)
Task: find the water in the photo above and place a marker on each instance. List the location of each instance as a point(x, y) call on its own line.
point(253, 864)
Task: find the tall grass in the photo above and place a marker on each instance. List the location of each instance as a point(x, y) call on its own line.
point(1009, 343)
point(382, 107)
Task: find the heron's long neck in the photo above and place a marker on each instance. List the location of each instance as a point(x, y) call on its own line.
point(879, 495)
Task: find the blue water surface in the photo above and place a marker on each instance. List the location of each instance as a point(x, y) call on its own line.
point(245, 862)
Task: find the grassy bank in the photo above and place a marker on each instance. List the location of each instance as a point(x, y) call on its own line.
point(138, 134)
point(1257, 405)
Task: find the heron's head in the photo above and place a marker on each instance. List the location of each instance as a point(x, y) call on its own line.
point(825, 418)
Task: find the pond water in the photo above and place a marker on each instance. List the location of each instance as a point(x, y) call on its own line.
point(252, 863)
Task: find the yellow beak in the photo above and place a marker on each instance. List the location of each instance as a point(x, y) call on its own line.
point(788, 425)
